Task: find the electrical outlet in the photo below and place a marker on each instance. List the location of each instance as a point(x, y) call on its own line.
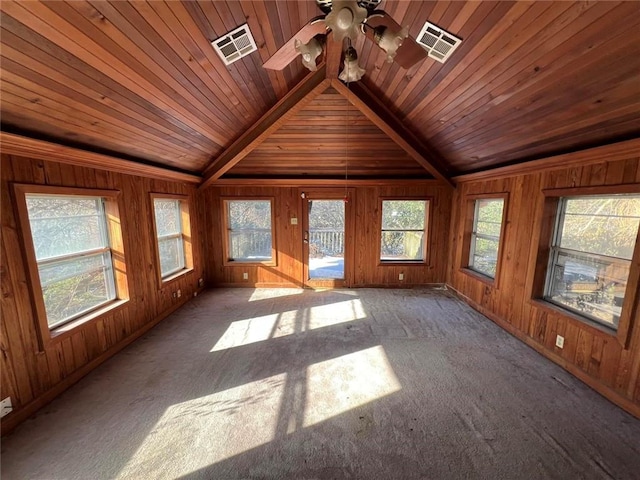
point(559, 341)
point(401, 276)
point(245, 276)
point(201, 282)
point(6, 407)
point(294, 221)
point(175, 295)
point(179, 293)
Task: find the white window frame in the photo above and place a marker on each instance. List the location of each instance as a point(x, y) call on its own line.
point(475, 235)
point(104, 252)
point(425, 231)
point(179, 234)
point(228, 259)
point(185, 245)
point(556, 250)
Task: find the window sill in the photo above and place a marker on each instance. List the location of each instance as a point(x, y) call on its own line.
point(590, 325)
point(174, 276)
point(248, 263)
point(480, 277)
point(60, 333)
point(402, 263)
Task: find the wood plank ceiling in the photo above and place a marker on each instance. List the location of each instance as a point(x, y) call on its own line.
point(141, 79)
point(323, 134)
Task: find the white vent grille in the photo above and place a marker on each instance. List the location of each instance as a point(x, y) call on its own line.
point(234, 45)
point(439, 43)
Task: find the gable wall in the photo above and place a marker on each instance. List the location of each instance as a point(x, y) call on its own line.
point(289, 269)
point(32, 377)
point(594, 356)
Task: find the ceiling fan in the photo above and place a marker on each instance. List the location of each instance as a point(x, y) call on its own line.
point(348, 19)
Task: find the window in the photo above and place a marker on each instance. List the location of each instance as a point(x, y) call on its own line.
point(590, 256)
point(403, 235)
point(74, 254)
point(173, 239)
point(249, 231)
point(485, 235)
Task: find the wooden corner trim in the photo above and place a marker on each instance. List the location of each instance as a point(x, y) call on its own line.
point(13, 144)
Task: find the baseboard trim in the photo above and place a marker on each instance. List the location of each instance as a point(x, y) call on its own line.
point(610, 394)
point(400, 285)
point(12, 420)
point(360, 285)
point(256, 285)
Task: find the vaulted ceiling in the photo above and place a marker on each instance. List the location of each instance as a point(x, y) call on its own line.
point(141, 80)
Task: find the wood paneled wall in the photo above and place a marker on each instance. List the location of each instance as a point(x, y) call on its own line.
point(289, 268)
point(592, 355)
point(33, 377)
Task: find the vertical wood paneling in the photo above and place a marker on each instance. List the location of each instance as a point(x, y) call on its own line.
point(27, 374)
point(289, 268)
point(598, 354)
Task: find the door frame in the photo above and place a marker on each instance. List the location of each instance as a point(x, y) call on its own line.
point(329, 193)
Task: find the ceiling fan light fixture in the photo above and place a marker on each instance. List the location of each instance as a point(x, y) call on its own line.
point(309, 52)
point(390, 41)
point(352, 72)
point(345, 19)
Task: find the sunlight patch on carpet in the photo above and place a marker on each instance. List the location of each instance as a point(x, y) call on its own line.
point(259, 329)
point(211, 428)
point(341, 384)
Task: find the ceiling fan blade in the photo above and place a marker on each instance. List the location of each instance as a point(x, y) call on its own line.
point(409, 53)
point(287, 53)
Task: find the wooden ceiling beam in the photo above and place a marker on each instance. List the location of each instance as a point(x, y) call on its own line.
point(360, 97)
point(307, 90)
point(20, 146)
point(325, 182)
point(333, 56)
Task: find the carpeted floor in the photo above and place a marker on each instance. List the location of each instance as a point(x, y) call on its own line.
point(343, 384)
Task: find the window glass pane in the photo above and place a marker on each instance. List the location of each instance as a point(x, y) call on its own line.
point(250, 245)
point(403, 214)
point(489, 213)
point(60, 226)
point(398, 245)
point(250, 236)
point(602, 225)
point(73, 286)
point(591, 286)
point(490, 210)
point(326, 238)
point(171, 255)
point(249, 214)
point(48, 206)
point(485, 256)
point(167, 214)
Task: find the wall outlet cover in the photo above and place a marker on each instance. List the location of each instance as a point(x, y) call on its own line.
point(559, 341)
point(5, 407)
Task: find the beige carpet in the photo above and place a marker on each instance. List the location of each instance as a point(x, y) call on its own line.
point(345, 384)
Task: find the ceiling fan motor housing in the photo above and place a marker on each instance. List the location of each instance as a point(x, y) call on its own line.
point(370, 5)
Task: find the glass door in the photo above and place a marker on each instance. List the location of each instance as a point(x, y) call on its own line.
point(325, 238)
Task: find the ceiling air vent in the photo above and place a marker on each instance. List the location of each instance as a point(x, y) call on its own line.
point(234, 45)
point(438, 43)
